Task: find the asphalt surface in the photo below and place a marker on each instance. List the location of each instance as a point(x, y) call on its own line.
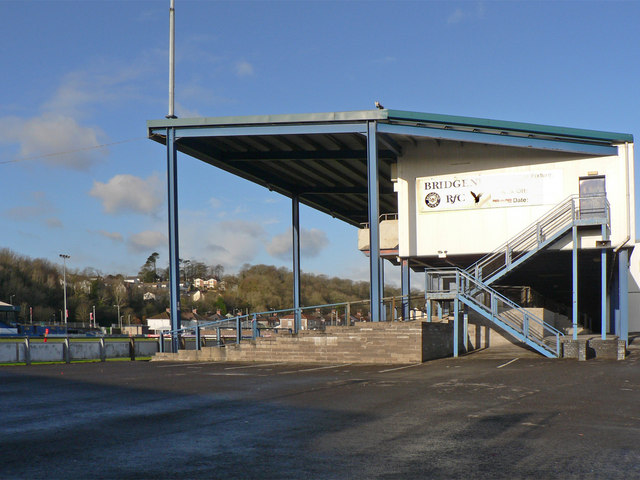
point(488, 415)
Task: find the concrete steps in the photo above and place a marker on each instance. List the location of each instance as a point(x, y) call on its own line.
point(385, 343)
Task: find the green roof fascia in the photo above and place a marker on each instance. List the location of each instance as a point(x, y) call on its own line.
point(573, 133)
point(300, 118)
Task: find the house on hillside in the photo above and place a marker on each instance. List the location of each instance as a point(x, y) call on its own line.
point(149, 296)
point(162, 321)
point(209, 284)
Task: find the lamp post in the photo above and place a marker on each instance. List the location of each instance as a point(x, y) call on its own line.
point(11, 299)
point(64, 281)
point(119, 321)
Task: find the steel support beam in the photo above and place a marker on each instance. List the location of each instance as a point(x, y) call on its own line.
point(405, 283)
point(383, 310)
point(623, 294)
point(604, 308)
point(174, 255)
point(498, 139)
point(225, 131)
point(374, 224)
point(465, 328)
point(295, 224)
point(574, 281)
point(456, 325)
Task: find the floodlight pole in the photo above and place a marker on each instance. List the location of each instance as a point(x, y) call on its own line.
point(172, 60)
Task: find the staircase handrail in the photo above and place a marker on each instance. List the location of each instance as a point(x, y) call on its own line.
point(467, 287)
point(510, 302)
point(232, 322)
point(451, 271)
point(554, 221)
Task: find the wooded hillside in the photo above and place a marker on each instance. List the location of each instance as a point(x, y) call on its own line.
point(37, 283)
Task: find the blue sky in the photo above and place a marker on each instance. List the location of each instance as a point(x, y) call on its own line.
point(81, 74)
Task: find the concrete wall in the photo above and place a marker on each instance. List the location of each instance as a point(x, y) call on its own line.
point(365, 343)
point(54, 350)
point(388, 236)
point(375, 343)
point(480, 229)
point(84, 350)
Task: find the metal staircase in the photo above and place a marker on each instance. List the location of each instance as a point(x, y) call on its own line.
point(471, 286)
point(574, 211)
point(458, 284)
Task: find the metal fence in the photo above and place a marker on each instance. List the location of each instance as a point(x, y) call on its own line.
point(318, 317)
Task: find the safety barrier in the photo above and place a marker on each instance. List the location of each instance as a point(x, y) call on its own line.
point(235, 329)
point(458, 284)
point(575, 210)
point(69, 349)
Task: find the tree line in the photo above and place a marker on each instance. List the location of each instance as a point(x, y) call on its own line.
point(36, 286)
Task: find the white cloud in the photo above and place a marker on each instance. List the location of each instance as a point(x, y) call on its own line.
point(312, 242)
point(115, 236)
point(183, 112)
point(59, 127)
point(39, 207)
point(128, 193)
point(215, 203)
point(456, 17)
point(230, 243)
point(244, 69)
point(53, 222)
point(52, 136)
point(102, 83)
point(460, 15)
point(147, 240)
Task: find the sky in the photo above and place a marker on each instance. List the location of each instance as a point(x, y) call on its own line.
point(87, 74)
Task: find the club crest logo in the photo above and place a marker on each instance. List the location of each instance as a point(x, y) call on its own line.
point(432, 199)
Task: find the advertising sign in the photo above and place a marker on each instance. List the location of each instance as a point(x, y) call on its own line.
point(488, 190)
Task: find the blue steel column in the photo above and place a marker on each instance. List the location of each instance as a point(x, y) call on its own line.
point(383, 310)
point(456, 323)
point(405, 283)
point(574, 281)
point(603, 283)
point(174, 272)
point(295, 222)
point(374, 225)
point(623, 293)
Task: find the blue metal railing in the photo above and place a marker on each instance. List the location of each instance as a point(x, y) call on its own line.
point(574, 210)
point(517, 321)
point(250, 321)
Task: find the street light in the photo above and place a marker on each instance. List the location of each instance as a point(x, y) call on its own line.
point(11, 299)
point(64, 280)
point(119, 320)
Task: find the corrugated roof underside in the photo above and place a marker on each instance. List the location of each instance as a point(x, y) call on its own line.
point(328, 172)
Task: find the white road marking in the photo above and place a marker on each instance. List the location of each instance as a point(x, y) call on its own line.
point(225, 374)
point(180, 365)
point(510, 361)
point(255, 366)
point(317, 368)
point(399, 368)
